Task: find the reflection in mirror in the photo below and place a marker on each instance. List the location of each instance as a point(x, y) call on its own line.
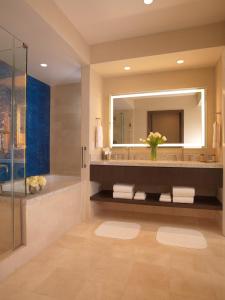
point(178, 114)
point(20, 126)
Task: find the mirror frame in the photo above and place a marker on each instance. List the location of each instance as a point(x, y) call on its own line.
point(163, 93)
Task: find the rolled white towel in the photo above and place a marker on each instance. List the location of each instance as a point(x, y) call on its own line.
point(216, 135)
point(124, 188)
point(165, 197)
point(188, 200)
point(140, 196)
point(120, 195)
point(183, 191)
point(99, 137)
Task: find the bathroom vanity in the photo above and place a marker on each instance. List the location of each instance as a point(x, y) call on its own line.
point(180, 115)
point(156, 177)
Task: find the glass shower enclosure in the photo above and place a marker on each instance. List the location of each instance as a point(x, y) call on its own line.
point(13, 65)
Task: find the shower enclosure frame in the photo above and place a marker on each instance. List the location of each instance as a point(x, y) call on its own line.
point(13, 104)
point(17, 50)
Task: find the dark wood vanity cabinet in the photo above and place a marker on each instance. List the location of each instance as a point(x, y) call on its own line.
point(156, 180)
point(158, 176)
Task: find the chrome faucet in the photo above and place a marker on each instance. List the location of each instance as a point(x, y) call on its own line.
point(182, 154)
point(128, 153)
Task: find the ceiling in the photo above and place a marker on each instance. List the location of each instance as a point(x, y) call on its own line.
point(192, 59)
point(104, 20)
point(44, 44)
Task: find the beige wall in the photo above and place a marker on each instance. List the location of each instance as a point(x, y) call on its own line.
point(161, 81)
point(65, 129)
point(212, 35)
point(219, 96)
point(96, 109)
point(223, 132)
point(91, 106)
point(52, 15)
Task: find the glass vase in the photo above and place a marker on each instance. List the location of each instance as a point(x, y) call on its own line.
point(33, 189)
point(153, 152)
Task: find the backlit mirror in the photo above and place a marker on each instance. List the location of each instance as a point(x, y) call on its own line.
point(177, 114)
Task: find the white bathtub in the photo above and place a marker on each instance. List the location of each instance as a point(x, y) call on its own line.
point(54, 182)
point(19, 186)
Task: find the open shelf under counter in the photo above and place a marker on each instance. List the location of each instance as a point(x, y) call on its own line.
point(200, 202)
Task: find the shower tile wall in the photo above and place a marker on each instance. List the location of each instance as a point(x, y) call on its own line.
point(38, 128)
point(5, 124)
point(5, 106)
point(65, 129)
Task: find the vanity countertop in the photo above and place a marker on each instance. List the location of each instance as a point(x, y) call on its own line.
point(159, 163)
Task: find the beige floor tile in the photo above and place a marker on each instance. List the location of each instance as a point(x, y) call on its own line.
point(182, 297)
point(155, 255)
point(53, 255)
point(123, 249)
point(21, 295)
point(217, 248)
point(82, 266)
point(84, 229)
point(219, 286)
point(187, 261)
point(192, 284)
point(150, 276)
point(79, 263)
point(7, 291)
point(61, 284)
point(146, 292)
point(27, 277)
point(100, 290)
point(111, 269)
point(217, 265)
point(91, 245)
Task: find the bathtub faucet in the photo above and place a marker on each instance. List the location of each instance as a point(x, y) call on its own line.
point(5, 167)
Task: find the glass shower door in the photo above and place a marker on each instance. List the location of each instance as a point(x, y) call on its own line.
point(12, 139)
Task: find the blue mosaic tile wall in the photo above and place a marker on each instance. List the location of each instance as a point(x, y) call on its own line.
point(5, 125)
point(38, 127)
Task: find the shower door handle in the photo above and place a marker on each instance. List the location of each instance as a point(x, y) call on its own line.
point(83, 157)
point(85, 149)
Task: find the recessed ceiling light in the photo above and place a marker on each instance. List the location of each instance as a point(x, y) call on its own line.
point(43, 65)
point(127, 68)
point(147, 2)
point(180, 61)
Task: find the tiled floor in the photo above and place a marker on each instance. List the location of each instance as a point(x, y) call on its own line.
point(82, 266)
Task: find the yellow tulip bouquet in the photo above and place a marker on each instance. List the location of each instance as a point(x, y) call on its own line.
point(35, 183)
point(153, 140)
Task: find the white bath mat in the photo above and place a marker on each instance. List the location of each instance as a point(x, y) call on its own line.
point(181, 237)
point(118, 230)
